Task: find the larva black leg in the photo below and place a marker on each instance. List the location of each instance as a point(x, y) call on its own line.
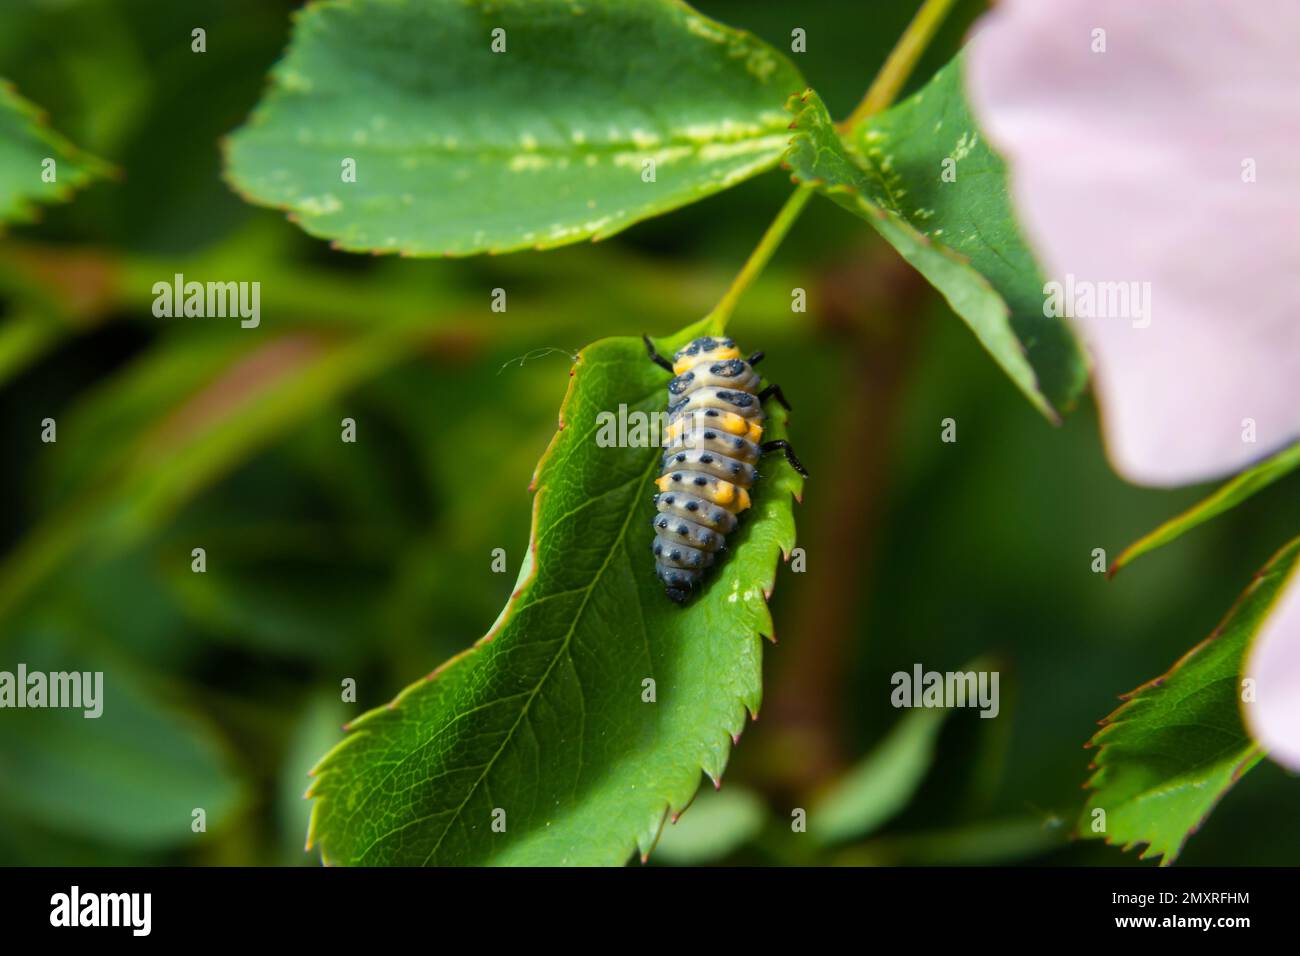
point(655, 357)
point(780, 444)
point(774, 391)
point(755, 358)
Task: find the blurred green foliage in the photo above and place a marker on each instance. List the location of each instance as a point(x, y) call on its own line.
point(372, 561)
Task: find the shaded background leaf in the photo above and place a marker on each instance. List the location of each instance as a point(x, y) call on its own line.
point(26, 146)
point(716, 825)
point(881, 784)
point(1227, 496)
point(132, 775)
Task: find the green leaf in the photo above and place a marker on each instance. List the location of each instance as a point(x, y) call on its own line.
point(315, 728)
point(25, 144)
point(544, 717)
point(983, 843)
point(882, 783)
point(23, 339)
point(224, 400)
point(1226, 497)
point(904, 150)
point(132, 775)
point(1178, 744)
point(460, 150)
point(960, 235)
point(716, 825)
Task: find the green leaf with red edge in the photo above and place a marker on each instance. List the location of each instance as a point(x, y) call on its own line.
point(1178, 744)
point(959, 234)
point(542, 727)
point(930, 164)
point(1224, 498)
point(26, 143)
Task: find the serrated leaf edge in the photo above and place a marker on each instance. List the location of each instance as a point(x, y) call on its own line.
point(86, 166)
point(1252, 755)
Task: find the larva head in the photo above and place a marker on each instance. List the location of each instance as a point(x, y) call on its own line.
point(678, 595)
point(705, 349)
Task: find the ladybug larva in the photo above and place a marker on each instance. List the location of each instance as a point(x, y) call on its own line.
point(711, 446)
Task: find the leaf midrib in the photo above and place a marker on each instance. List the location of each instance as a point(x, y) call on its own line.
point(564, 649)
point(494, 149)
point(559, 654)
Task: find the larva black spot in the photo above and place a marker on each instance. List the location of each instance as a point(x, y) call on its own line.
point(706, 459)
point(710, 436)
point(701, 481)
point(739, 399)
point(681, 383)
point(691, 505)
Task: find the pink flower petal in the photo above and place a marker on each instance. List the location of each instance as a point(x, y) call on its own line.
point(1127, 166)
point(1274, 663)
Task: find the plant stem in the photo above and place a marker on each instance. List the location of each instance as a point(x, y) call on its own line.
point(762, 253)
point(884, 88)
point(900, 62)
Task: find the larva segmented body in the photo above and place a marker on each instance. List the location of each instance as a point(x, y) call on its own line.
point(712, 445)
